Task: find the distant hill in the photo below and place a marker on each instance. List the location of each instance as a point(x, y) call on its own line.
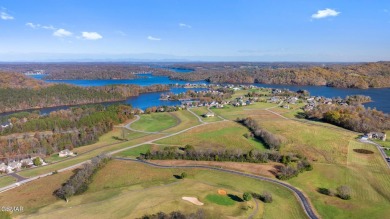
point(16, 80)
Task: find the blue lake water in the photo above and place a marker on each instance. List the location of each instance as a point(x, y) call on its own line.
point(380, 96)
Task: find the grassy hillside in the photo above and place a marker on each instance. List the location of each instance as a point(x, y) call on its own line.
point(133, 190)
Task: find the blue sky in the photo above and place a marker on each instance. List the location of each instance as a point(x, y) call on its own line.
point(206, 30)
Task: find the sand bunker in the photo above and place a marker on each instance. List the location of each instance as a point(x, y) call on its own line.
point(222, 192)
point(193, 200)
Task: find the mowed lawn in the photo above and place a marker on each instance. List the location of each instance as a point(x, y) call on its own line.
point(155, 122)
point(6, 180)
point(186, 119)
point(319, 143)
point(219, 135)
point(134, 189)
point(366, 175)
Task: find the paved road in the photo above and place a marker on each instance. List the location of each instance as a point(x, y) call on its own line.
point(12, 186)
point(200, 119)
point(17, 177)
point(380, 148)
point(301, 197)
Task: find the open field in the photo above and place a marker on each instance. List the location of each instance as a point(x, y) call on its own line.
point(155, 122)
point(319, 143)
point(135, 152)
point(366, 175)
point(226, 134)
point(36, 194)
point(186, 120)
point(83, 157)
point(6, 180)
point(134, 189)
point(230, 112)
point(200, 111)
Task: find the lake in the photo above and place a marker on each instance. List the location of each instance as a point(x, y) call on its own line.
point(380, 96)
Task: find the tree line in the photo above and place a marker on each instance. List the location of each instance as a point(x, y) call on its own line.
point(273, 141)
point(78, 183)
point(293, 163)
point(64, 129)
point(353, 117)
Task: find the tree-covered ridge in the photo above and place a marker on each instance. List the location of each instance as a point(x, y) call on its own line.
point(344, 76)
point(353, 117)
point(64, 129)
point(89, 71)
point(14, 99)
point(13, 80)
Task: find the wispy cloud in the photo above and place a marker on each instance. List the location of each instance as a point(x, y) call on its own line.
point(39, 26)
point(386, 11)
point(91, 36)
point(62, 33)
point(184, 25)
point(4, 15)
point(153, 38)
point(325, 13)
point(119, 32)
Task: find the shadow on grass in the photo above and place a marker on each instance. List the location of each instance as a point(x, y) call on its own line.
point(235, 198)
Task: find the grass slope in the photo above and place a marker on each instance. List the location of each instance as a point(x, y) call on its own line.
point(129, 190)
point(155, 122)
point(217, 135)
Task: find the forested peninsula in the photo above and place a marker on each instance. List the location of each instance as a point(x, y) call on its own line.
point(19, 92)
point(363, 76)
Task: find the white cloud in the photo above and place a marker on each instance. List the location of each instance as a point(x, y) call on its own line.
point(62, 33)
point(386, 11)
point(38, 26)
point(185, 25)
point(5, 16)
point(325, 13)
point(33, 26)
point(91, 36)
point(153, 38)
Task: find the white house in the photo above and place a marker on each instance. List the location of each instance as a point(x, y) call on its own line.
point(3, 168)
point(13, 166)
point(28, 162)
point(65, 153)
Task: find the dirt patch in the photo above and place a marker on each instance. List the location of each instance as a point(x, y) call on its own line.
point(193, 200)
point(222, 192)
point(254, 168)
point(363, 151)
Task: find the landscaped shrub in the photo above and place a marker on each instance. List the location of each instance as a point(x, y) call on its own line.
point(246, 196)
point(344, 192)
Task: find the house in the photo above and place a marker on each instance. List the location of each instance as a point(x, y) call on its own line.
point(209, 114)
point(3, 168)
point(376, 135)
point(6, 125)
point(14, 166)
point(65, 153)
point(28, 162)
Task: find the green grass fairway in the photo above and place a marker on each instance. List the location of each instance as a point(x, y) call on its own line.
point(126, 189)
point(155, 122)
point(383, 143)
point(220, 199)
point(217, 135)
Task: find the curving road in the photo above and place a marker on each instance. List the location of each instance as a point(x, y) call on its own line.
point(301, 197)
